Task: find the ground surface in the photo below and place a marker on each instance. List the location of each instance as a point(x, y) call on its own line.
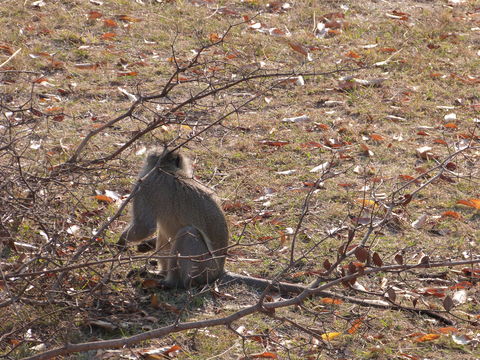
point(406, 123)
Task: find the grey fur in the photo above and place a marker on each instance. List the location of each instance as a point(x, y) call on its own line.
point(188, 219)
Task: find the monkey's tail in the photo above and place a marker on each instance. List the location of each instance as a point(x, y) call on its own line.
point(261, 284)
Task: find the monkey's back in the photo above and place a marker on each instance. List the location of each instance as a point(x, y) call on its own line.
point(184, 202)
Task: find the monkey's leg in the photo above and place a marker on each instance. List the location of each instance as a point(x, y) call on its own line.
point(199, 270)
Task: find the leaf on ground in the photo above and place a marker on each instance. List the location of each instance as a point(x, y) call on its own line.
point(104, 199)
point(361, 253)
point(399, 259)
point(174, 348)
point(264, 355)
point(330, 301)
point(447, 330)
point(277, 143)
point(298, 48)
point(355, 326)
point(427, 337)
point(475, 203)
point(213, 37)
point(353, 55)
point(452, 214)
point(376, 137)
point(377, 260)
point(110, 23)
point(94, 15)
point(128, 18)
point(437, 292)
point(108, 36)
point(366, 202)
point(330, 336)
point(128, 73)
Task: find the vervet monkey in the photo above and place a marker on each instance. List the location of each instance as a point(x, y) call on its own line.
point(189, 223)
point(187, 217)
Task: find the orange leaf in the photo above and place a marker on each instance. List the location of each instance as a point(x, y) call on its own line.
point(40, 80)
point(387, 50)
point(377, 137)
point(447, 330)
point(53, 109)
point(427, 337)
point(333, 32)
point(330, 301)
point(321, 126)
point(440, 293)
point(365, 148)
point(129, 73)
point(128, 18)
point(172, 349)
point(108, 36)
point(104, 198)
point(475, 203)
point(450, 126)
point(278, 32)
point(214, 37)
point(356, 324)
point(440, 141)
point(312, 145)
point(406, 177)
point(110, 23)
point(423, 133)
point(94, 15)
point(452, 214)
point(461, 285)
point(7, 49)
point(264, 355)
point(353, 55)
point(274, 142)
point(230, 56)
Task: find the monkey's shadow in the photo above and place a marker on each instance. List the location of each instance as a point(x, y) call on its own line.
point(170, 304)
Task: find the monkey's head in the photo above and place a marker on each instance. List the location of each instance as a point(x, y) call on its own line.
point(173, 162)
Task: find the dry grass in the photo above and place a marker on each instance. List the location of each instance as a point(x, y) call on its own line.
point(433, 54)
